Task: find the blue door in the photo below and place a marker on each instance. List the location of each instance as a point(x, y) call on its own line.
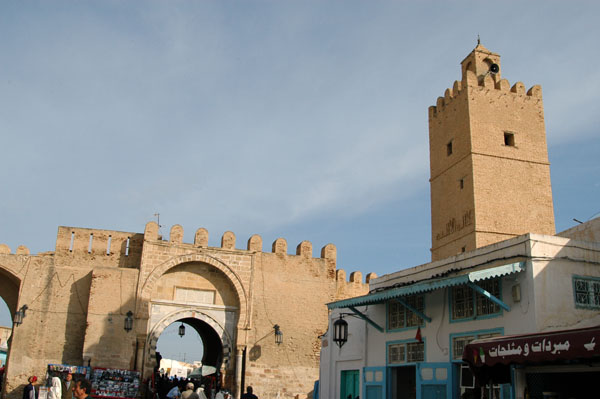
point(374, 382)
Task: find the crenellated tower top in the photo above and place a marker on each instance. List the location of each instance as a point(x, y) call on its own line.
point(489, 170)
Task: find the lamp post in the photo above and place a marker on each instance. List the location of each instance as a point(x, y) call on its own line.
point(278, 334)
point(128, 321)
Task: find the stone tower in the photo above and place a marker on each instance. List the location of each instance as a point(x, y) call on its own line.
point(490, 175)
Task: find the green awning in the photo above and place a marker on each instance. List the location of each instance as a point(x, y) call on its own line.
point(428, 285)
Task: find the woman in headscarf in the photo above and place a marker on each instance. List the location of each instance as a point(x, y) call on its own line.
point(55, 389)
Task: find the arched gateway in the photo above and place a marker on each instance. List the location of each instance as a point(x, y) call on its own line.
point(103, 297)
point(202, 292)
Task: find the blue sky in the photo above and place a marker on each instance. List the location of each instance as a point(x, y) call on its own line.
point(298, 119)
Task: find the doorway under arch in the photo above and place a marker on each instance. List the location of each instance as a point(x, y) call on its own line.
point(216, 341)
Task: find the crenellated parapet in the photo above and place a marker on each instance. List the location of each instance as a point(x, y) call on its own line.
point(228, 242)
point(488, 82)
point(21, 250)
point(354, 286)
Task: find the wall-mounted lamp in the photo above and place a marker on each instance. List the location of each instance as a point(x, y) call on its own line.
point(181, 330)
point(19, 315)
point(278, 334)
point(340, 331)
point(128, 321)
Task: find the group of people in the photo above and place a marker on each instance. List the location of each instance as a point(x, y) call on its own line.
point(60, 389)
point(81, 389)
point(184, 389)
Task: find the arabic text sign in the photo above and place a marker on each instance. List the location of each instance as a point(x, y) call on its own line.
point(533, 348)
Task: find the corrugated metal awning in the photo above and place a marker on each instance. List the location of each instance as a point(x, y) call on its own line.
point(429, 285)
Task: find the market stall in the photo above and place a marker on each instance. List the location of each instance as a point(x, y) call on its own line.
point(543, 365)
point(115, 383)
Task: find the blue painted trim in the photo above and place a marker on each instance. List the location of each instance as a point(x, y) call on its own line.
point(382, 383)
point(588, 278)
point(475, 333)
point(366, 318)
point(448, 382)
point(417, 288)
point(475, 316)
point(403, 341)
point(429, 285)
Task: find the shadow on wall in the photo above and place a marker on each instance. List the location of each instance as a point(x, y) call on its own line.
point(76, 321)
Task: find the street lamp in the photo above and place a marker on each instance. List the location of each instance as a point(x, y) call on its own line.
point(181, 330)
point(278, 334)
point(340, 331)
point(19, 315)
point(128, 321)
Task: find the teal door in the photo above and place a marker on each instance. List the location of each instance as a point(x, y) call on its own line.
point(433, 391)
point(374, 392)
point(350, 384)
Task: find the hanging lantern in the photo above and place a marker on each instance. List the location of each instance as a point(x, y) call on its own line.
point(278, 334)
point(340, 332)
point(18, 319)
point(181, 330)
point(128, 321)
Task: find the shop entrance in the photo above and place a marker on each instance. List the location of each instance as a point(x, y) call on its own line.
point(577, 383)
point(403, 382)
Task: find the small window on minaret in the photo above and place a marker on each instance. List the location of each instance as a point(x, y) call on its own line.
point(449, 148)
point(509, 139)
point(462, 183)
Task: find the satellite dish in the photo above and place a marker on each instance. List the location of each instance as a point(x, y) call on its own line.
point(494, 68)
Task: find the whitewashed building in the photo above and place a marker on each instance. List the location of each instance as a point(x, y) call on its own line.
point(530, 283)
point(499, 271)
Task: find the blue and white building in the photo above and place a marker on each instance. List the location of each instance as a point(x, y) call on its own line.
point(527, 284)
point(511, 275)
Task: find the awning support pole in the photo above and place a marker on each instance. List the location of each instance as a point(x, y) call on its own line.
point(366, 318)
point(489, 296)
point(415, 311)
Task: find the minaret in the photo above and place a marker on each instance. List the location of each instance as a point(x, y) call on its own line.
point(490, 175)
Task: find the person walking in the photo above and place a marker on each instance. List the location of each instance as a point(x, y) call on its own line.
point(189, 392)
point(55, 389)
point(174, 393)
point(29, 390)
point(249, 394)
point(67, 387)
